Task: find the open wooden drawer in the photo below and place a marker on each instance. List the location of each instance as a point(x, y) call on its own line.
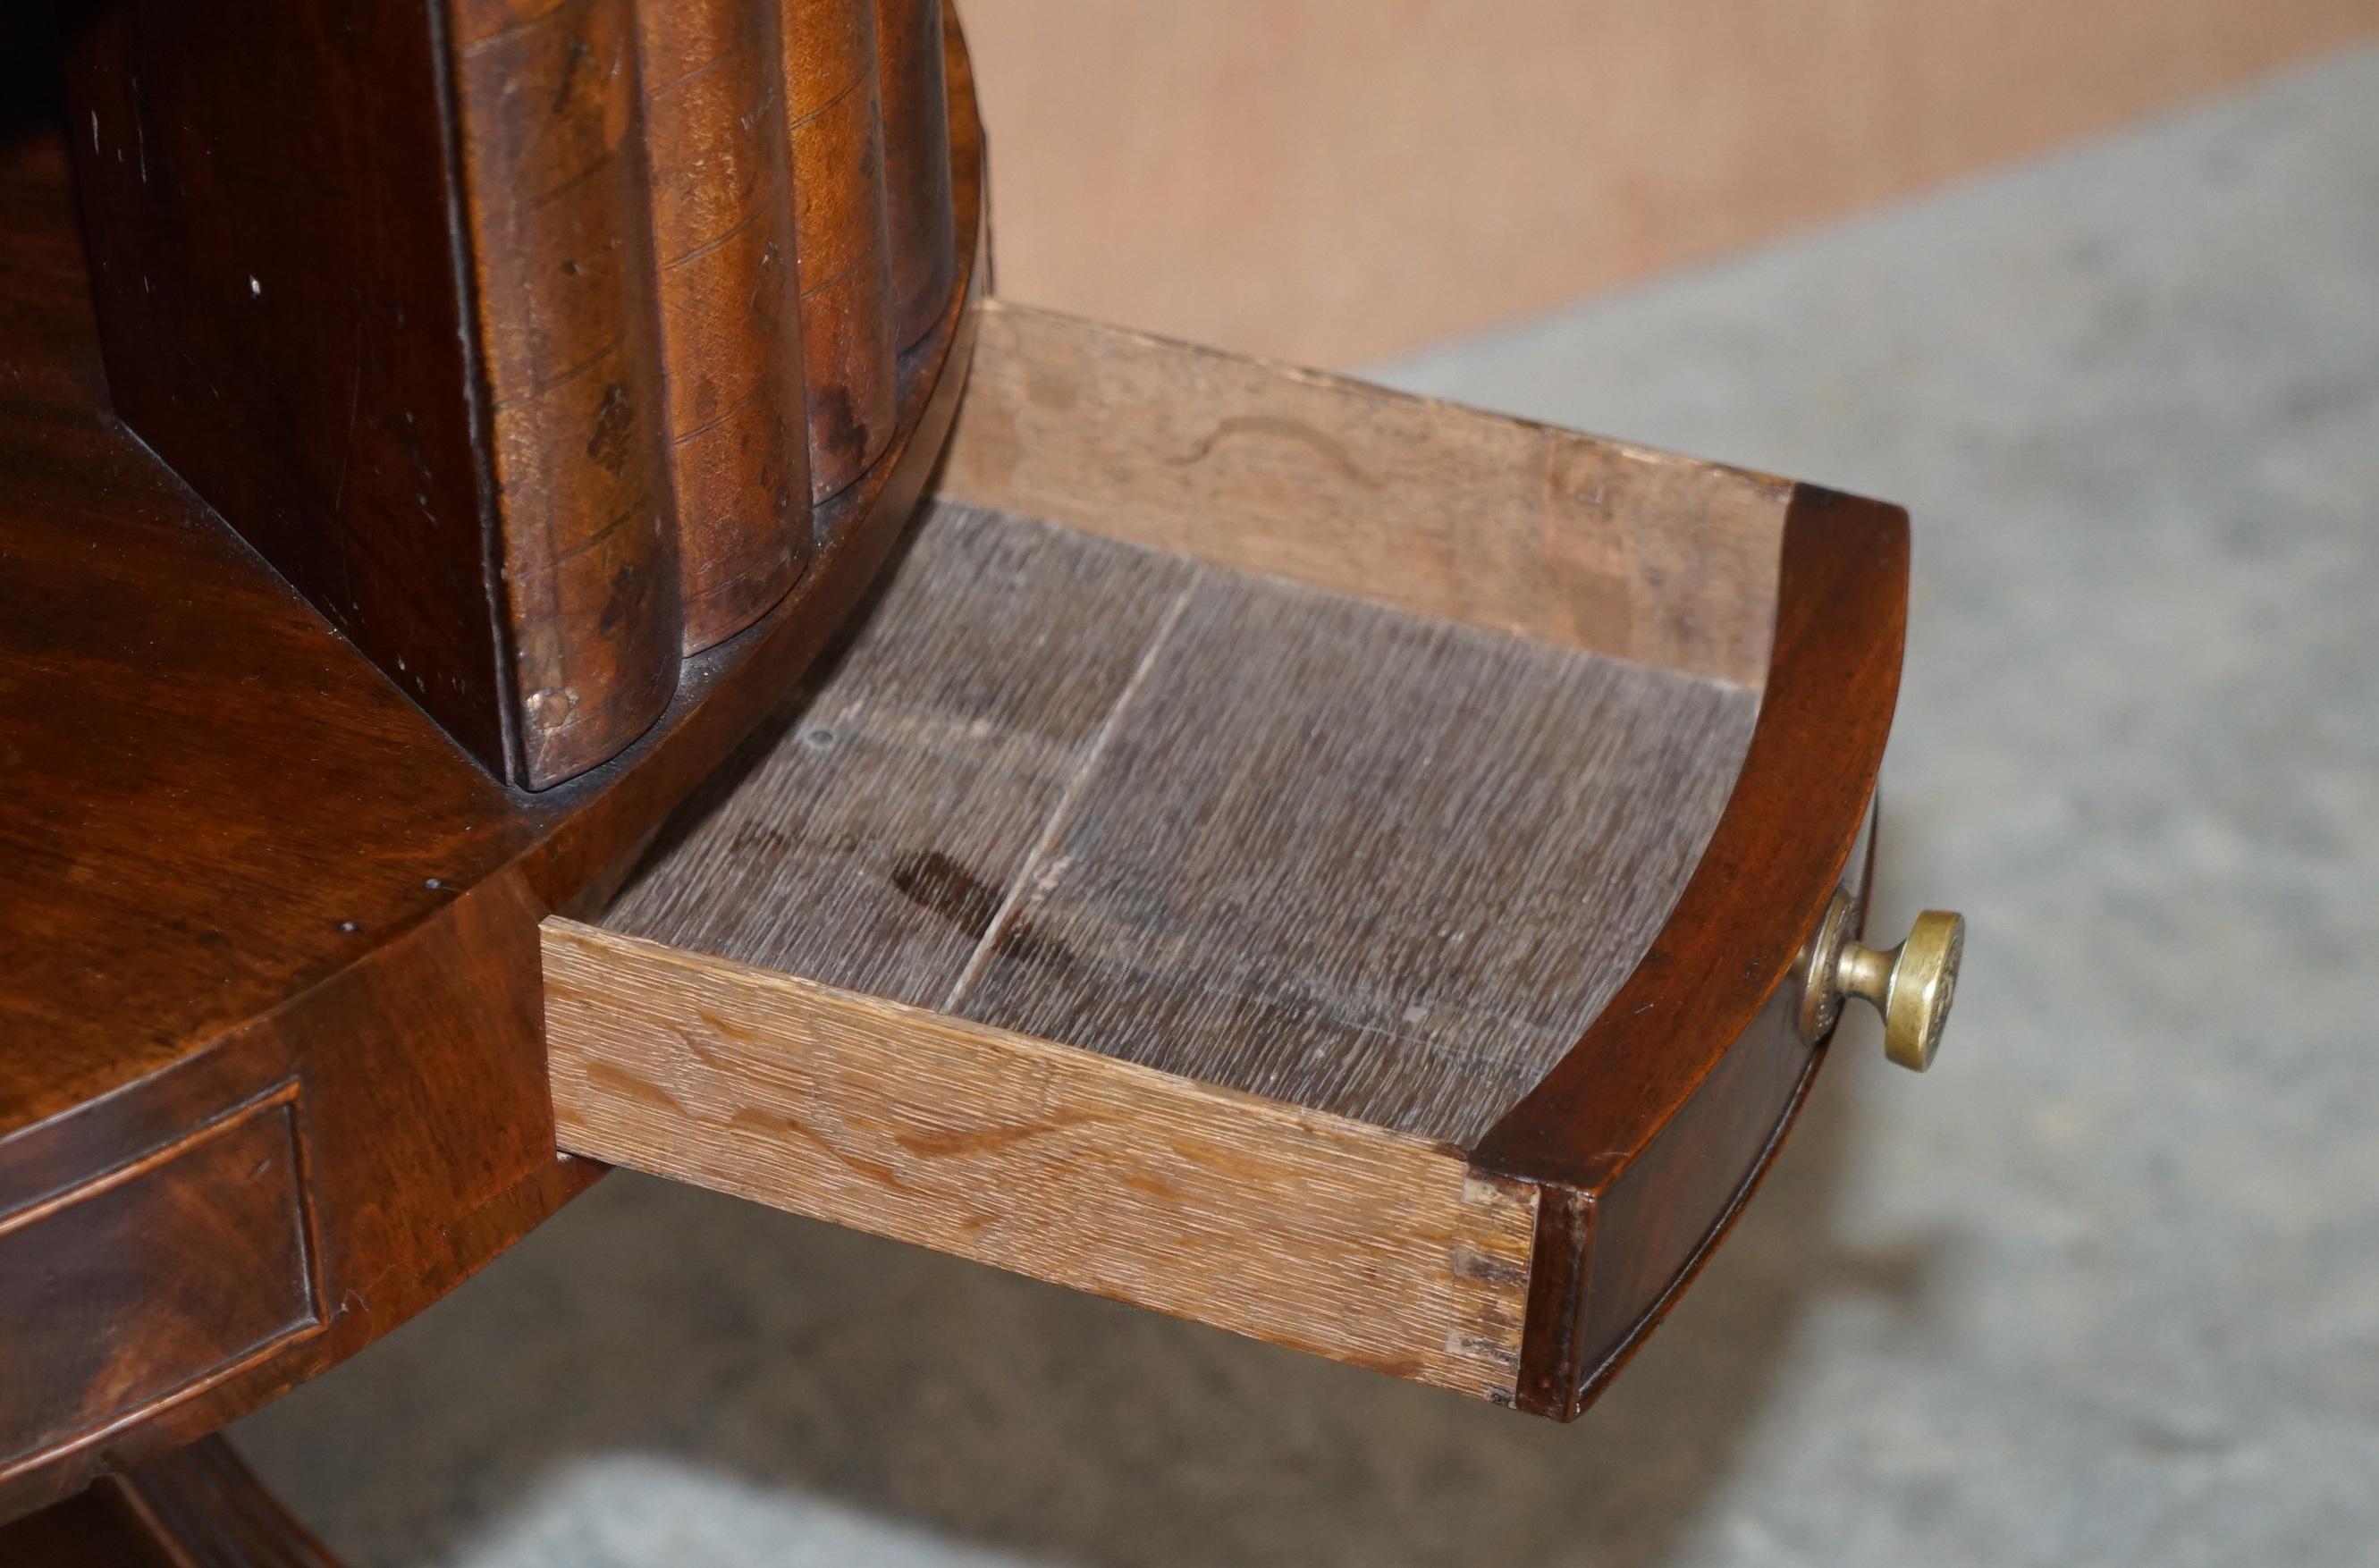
point(1329, 864)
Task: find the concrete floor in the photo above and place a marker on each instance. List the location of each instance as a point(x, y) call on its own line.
point(2103, 1289)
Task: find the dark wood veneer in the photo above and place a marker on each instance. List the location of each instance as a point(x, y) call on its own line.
point(553, 226)
point(228, 301)
point(835, 107)
point(240, 858)
point(730, 304)
point(916, 161)
point(1639, 1138)
point(81, 1275)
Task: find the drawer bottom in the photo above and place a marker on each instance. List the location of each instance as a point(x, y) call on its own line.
point(1277, 839)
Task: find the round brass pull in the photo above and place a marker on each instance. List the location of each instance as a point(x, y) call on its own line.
point(1911, 985)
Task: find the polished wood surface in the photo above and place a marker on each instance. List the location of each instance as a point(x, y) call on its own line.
point(295, 346)
point(840, 235)
point(84, 1274)
point(1652, 1132)
point(248, 871)
point(322, 1047)
point(729, 307)
point(526, 361)
point(916, 161)
point(278, 1197)
point(557, 201)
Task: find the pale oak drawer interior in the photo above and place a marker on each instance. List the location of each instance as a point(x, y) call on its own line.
point(1207, 873)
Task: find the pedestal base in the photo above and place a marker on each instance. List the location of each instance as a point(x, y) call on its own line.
point(198, 1508)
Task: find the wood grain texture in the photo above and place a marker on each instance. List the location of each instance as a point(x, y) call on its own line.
point(239, 856)
point(1237, 829)
point(80, 1273)
point(327, 1169)
point(868, 839)
point(1360, 862)
point(917, 163)
point(1643, 1141)
point(379, 287)
point(725, 692)
point(548, 112)
point(729, 303)
point(1445, 511)
point(205, 789)
point(1306, 1230)
point(1335, 182)
point(841, 233)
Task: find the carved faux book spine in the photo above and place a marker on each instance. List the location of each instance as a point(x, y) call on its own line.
point(916, 163)
point(555, 207)
point(731, 321)
point(291, 1083)
point(831, 97)
point(268, 216)
point(524, 421)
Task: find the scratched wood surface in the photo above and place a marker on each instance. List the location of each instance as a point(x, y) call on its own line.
point(1238, 829)
point(1331, 1237)
point(1360, 860)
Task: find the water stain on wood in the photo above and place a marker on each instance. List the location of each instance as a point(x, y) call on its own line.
point(933, 882)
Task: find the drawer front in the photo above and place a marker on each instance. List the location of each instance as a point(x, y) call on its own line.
point(154, 1281)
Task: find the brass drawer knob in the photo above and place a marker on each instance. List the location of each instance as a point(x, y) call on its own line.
point(1911, 985)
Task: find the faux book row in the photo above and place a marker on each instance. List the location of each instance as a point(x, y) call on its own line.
point(704, 230)
point(530, 339)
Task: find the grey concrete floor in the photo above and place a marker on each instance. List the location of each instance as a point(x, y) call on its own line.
point(2104, 1288)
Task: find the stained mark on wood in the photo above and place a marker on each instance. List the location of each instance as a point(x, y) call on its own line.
point(933, 881)
point(874, 832)
point(1325, 447)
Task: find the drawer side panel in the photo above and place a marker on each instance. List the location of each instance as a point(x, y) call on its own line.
point(1302, 1229)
